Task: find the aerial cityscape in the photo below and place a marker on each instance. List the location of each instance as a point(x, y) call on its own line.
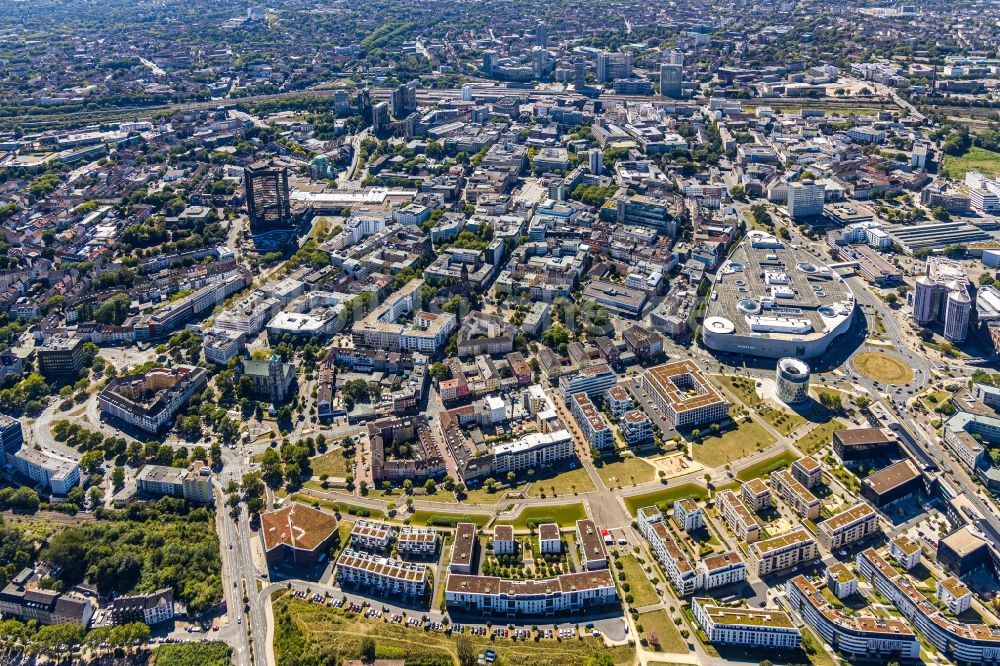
point(462, 333)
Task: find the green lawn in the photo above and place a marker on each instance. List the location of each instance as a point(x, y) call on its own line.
point(445, 519)
point(975, 159)
point(214, 653)
point(638, 580)
point(628, 471)
point(733, 444)
point(342, 507)
point(744, 388)
point(766, 466)
point(566, 483)
point(565, 515)
point(667, 495)
point(331, 463)
point(328, 635)
point(818, 437)
point(659, 625)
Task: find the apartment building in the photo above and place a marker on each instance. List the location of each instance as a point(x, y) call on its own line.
point(366, 535)
point(24, 600)
point(464, 550)
point(588, 538)
point(957, 641)
point(781, 552)
point(739, 518)
point(381, 575)
point(150, 401)
point(675, 562)
point(150, 609)
point(636, 427)
point(427, 333)
point(863, 636)
point(763, 627)
point(57, 472)
point(413, 541)
point(847, 527)
point(803, 502)
point(905, 551)
point(954, 594)
point(807, 471)
point(841, 581)
point(503, 540)
point(549, 539)
point(618, 400)
point(593, 381)
point(534, 450)
point(592, 423)
point(687, 515)
point(721, 569)
point(756, 495)
point(563, 595)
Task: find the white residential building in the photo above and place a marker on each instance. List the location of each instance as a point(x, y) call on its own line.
point(381, 575)
point(765, 627)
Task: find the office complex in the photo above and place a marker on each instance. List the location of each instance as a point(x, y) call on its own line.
point(792, 377)
point(684, 395)
point(60, 358)
point(611, 66)
point(150, 401)
point(268, 202)
point(671, 80)
point(941, 297)
point(805, 199)
point(193, 483)
point(297, 532)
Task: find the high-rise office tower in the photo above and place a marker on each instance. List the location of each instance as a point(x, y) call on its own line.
point(671, 79)
point(380, 118)
point(342, 103)
point(579, 74)
point(268, 205)
point(489, 62)
point(596, 161)
point(805, 199)
point(942, 297)
point(541, 36)
point(403, 100)
point(611, 66)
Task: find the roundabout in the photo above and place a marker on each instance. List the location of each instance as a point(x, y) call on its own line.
point(882, 367)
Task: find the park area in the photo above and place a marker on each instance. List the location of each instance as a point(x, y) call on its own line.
point(744, 388)
point(818, 437)
point(883, 368)
point(715, 450)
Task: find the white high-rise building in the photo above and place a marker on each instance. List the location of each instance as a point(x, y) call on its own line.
point(942, 297)
point(596, 161)
point(805, 199)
